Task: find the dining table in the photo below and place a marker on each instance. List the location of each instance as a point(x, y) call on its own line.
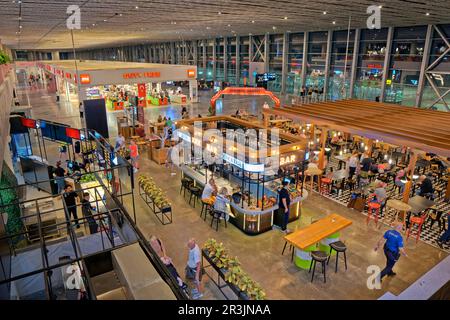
point(419, 204)
point(317, 236)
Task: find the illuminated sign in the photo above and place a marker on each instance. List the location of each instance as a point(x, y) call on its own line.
point(388, 81)
point(250, 167)
point(68, 75)
point(136, 75)
point(85, 79)
point(288, 159)
point(374, 66)
point(191, 73)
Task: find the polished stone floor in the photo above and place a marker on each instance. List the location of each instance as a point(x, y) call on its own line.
point(260, 255)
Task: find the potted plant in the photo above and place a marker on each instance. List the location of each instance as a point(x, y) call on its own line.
point(4, 58)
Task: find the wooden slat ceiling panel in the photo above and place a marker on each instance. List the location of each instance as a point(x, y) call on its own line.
point(423, 129)
point(163, 20)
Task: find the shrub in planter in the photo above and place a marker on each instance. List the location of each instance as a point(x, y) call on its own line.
point(4, 58)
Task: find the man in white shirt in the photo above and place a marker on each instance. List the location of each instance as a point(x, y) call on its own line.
point(209, 190)
point(353, 164)
point(193, 268)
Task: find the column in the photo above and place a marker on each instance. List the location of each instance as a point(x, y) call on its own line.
point(304, 62)
point(323, 142)
point(412, 166)
point(284, 65)
point(238, 60)
point(423, 66)
point(225, 59)
point(327, 63)
point(387, 62)
point(214, 59)
point(266, 52)
point(195, 51)
point(193, 91)
point(354, 62)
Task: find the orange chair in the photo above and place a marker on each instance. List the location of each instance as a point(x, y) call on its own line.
point(419, 221)
point(373, 209)
point(325, 185)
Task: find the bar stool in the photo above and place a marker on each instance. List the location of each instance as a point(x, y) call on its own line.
point(311, 173)
point(373, 209)
point(185, 183)
point(325, 186)
point(339, 247)
point(418, 221)
point(206, 207)
point(318, 256)
point(216, 215)
point(291, 247)
point(195, 193)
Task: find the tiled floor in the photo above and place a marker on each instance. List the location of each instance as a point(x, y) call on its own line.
point(260, 255)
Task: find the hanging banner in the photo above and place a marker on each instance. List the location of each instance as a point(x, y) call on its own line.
point(142, 91)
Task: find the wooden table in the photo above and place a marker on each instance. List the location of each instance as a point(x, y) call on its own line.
point(418, 204)
point(399, 207)
point(324, 231)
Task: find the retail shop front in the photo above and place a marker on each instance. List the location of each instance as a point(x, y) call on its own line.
point(121, 84)
point(252, 181)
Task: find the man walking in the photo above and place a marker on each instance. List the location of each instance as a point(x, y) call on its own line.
point(392, 248)
point(193, 268)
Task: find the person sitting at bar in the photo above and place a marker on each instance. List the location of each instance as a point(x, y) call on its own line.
point(398, 180)
point(426, 187)
point(380, 192)
point(209, 192)
point(221, 203)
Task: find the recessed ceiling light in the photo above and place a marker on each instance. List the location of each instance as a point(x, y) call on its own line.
point(105, 20)
point(334, 22)
point(427, 14)
point(380, 7)
point(274, 28)
point(120, 15)
point(93, 24)
point(20, 27)
point(285, 18)
point(229, 25)
point(253, 21)
point(219, 12)
point(208, 28)
point(192, 30)
point(324, 12)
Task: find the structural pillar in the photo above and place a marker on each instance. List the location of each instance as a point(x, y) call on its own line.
point(354, 62)
point(323, 142)
point(411, 166)
point(387, 62)
point(284, 65)
point(423, 66)
point(238, 60)
point(304, 62)
point(327, 63)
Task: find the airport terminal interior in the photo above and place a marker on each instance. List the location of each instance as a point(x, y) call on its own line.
point(224, 150)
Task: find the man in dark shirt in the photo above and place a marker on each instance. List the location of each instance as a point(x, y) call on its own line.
point(70, 200)
point(426, 186)
point(87, 213)
point(284, 201)
point(366, 164)
point(59, 177)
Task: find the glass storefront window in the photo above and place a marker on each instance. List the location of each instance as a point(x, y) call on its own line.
point(317, 52)
point(275, 61)
point(341, 64)
point(231, 60)
point(244, 60)
point(295, 62)
point(369, 72)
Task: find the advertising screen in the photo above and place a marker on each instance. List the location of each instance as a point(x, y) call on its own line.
point(73, 133)
point(28, 123)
